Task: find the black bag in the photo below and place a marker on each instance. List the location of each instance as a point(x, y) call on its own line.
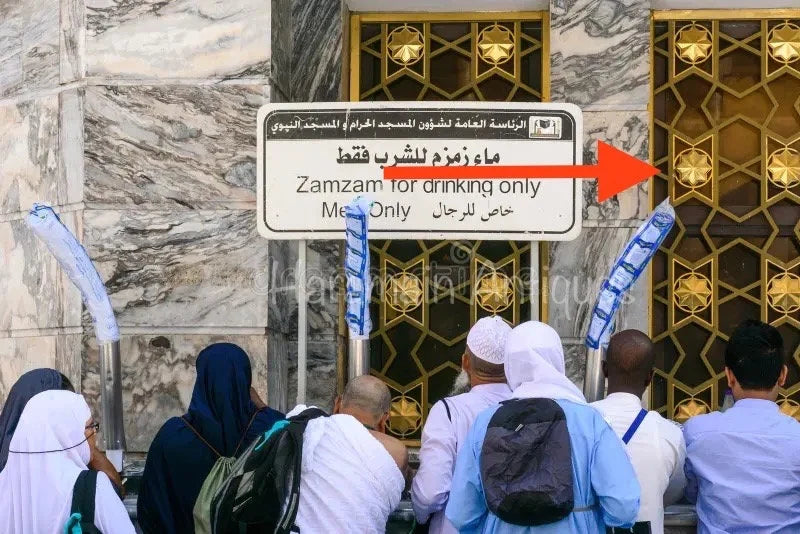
point(263, 491)
point(81, 519)
point(526, 463)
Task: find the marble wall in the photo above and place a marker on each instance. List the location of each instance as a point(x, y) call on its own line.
point(600, 60)
point(136, 120)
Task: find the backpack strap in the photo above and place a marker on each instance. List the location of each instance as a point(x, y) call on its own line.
point(634, 426)
point(196, 433)
point(447, 409)
point(244, 434)
point(81, 518)
point(295, 431)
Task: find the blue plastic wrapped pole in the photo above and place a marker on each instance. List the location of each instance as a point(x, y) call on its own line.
point(626, 270)
point(359, 284)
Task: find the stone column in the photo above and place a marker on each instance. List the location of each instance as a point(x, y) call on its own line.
point(600, 60)
point(308, 47)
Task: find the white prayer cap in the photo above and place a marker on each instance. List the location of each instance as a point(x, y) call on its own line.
point(487, 339)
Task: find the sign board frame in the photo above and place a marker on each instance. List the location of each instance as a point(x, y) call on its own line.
point(300, 115)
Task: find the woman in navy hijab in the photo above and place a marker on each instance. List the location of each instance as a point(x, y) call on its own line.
point(30, 384)
point(222, 412)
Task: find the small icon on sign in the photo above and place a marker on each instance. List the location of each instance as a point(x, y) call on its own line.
point(545, 127)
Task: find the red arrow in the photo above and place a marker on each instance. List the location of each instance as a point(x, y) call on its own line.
point(615, 171)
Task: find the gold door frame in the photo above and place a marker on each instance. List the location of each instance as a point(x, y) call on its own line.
point(352, 82)
point(706, 396)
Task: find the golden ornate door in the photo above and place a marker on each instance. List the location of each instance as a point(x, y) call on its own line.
point(431, 292)
point(726, 136)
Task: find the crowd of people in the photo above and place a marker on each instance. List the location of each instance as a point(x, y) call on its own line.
point(515, 449)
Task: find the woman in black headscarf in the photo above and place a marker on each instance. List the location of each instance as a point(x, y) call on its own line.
point(29, 385)
point(224, 415)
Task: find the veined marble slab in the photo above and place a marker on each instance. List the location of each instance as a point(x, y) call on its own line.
point(577, 268)
point(180, 269)
point(600, 51)
point(29, 45)
point(158, 375)
point(36, 292)
point(172, 146)
point(628, 131)
point(22, 354)
point(29, 138)
point(317, 51)
point(178, 39)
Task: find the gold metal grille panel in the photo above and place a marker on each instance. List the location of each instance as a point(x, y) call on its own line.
point(433, 291)
point(726, 137)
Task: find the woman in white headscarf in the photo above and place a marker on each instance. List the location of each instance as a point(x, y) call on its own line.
point(606, 492)
point(52, 444)
point(535, 364)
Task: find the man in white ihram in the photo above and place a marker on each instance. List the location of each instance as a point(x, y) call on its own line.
point(450, 419)
point(353, 473)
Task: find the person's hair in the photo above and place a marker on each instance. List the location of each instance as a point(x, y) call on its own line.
point(369, 394)
point(755, 355)
point(485, 369)
point(66, 385)
point(630, 357)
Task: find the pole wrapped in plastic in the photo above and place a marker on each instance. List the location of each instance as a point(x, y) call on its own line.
point(72, 257)
point(626, 270)
point(359, 284)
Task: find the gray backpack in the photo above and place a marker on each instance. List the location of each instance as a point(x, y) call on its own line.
point(526, 463)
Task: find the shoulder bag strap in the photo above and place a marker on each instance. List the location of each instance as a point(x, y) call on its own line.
point(244, 434)
point(83, 499)
point(634, 426)
point(196, 433)
point(447, 409)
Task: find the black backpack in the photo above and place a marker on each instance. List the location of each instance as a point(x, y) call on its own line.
point(262, 493)
point(526, 463)
point(81, 519)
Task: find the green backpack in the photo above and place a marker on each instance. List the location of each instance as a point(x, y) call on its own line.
point(213, 482)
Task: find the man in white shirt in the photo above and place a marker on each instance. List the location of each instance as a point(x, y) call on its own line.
point(450, 419)
point(655, 445)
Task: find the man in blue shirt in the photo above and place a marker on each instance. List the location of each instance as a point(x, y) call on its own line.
point(603, 484)
point(743, 465)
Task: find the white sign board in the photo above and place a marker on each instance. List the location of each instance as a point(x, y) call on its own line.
point(313, 159)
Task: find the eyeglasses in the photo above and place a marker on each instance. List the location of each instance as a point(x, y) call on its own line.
point(93, 426)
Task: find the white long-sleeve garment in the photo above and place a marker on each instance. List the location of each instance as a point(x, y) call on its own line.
point(349, 482)
point(36, 485)
point(657, 452)
point(442, 438)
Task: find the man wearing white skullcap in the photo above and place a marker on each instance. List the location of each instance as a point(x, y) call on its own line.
point(449, 420)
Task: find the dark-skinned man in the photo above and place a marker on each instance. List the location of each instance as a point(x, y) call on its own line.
point(449, 420)
point(654, 445)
